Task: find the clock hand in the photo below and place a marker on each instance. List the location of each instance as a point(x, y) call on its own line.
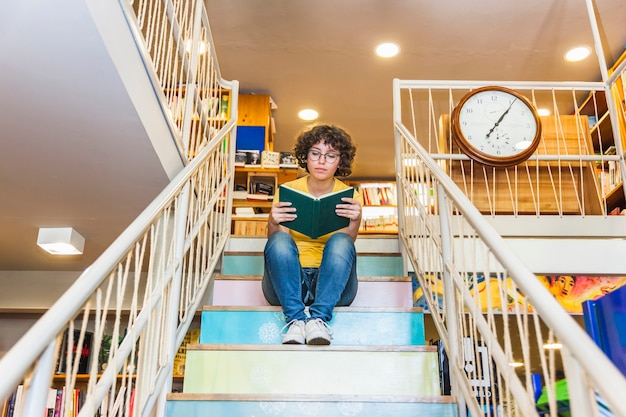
point(500, 119)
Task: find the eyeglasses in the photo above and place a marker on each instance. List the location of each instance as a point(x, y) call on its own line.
point(329, 157)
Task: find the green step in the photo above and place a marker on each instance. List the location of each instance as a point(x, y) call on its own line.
point(350, 325)
point(186, 405)
point(235, 263)
point(300, 370)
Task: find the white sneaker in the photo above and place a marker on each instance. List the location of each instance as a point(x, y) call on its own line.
point(318, 332)
point(295, 334)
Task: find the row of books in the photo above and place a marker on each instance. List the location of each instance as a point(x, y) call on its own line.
point(609, 177)
point(385, 223)
point(383, 194)
point(64, 402)
point(265, 159)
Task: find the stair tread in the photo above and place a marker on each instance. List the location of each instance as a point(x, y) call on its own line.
point(336, 309)
point(260, 253)
point(336, 348)
point(327, 370)
point(389, 278)
point(180, 396)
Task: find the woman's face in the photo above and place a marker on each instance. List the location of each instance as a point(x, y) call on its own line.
point(322, 161)
point(564, 284)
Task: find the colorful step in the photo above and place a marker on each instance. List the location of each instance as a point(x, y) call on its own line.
point(185, 405)
point(386, 264)
point(379, 291)
point(303, 370)
point(350, 325)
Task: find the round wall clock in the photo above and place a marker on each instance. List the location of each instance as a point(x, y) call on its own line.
point(496, 126)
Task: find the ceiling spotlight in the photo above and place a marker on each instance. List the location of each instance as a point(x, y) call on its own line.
point(202, 47)
point(543, 112)
point(61, 241)
point(552, 346)
point(308, 114)
point(577, 54)
point(516, 364)
point(387, 50)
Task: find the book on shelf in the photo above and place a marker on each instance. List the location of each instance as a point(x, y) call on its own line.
point(316, 215)
point(244, 212)
point(192, 337)
point(288, 160)
point(240, 192)
point(51, 402)
point(270, 159)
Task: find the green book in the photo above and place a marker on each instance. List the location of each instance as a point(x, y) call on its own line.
point(316, 215)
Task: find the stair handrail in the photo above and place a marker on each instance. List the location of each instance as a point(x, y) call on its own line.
point(146, 287)
point(605, 376)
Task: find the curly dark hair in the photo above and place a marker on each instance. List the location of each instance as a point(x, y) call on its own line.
point(331, 136)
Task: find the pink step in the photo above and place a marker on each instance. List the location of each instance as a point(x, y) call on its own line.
point(237, 290)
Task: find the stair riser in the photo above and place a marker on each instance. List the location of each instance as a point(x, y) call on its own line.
point(349, 328)
point(307, 371)
point(373, 266)
point(370, 294)
point(298, 408)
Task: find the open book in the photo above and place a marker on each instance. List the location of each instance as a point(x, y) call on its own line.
point(316, 215)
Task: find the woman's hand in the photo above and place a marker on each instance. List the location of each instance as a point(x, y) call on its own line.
point(352, 210)
point(280, 212)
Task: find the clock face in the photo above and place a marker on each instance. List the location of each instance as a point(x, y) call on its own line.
point(496, 126)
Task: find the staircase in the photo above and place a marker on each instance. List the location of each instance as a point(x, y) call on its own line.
point(377, 365)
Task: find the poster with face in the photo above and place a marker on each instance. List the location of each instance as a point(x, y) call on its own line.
point(501, 293)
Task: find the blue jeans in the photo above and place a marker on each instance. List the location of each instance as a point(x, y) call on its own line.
point(287, 284)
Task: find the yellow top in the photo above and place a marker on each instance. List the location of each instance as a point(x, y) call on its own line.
point(311, 249)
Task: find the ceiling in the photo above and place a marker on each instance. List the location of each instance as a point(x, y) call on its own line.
point(74, 151)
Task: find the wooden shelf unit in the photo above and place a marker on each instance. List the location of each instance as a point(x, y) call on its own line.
point(256, 226)
point(380, 214)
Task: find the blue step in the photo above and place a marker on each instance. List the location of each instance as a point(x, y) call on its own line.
point(186, 405)
point(350, 325)
point(366, 265)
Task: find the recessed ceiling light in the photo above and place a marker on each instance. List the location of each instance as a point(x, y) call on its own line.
point(308, 114)
point(516, 364)
point(202, 47)
point(387, 50)
point(577, 54)
point(552, 346)
point(543, 112)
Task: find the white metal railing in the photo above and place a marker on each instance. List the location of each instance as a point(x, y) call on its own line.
point(489, 309)
point(576, 170)
point(130, 310)
point(190, 83)
point(487, 306)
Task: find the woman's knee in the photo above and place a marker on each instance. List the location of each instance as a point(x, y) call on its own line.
point(280, 242)
point(340, 243)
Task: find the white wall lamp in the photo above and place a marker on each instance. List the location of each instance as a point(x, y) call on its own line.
point(60, 241)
